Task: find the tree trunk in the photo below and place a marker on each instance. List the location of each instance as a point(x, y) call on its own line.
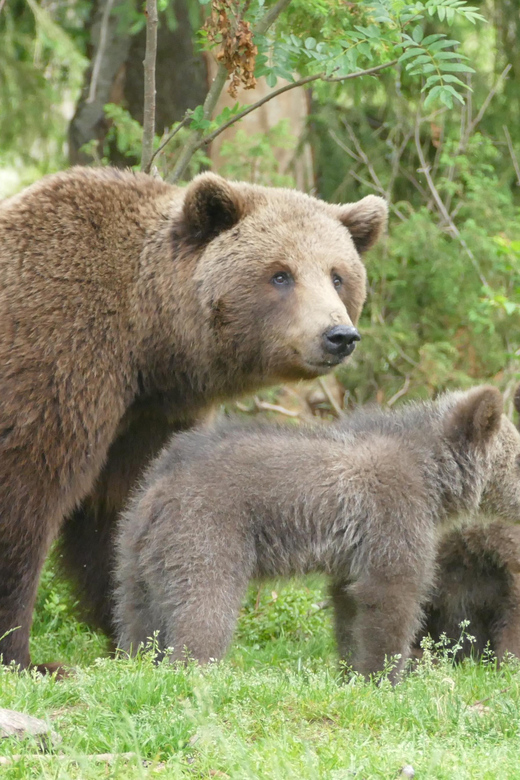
point(180, 75)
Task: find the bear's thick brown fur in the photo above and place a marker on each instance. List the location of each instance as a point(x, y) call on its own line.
point(362, 501)
point(478, 580)
point(126, 307)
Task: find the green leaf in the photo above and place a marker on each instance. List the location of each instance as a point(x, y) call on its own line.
point(430, 81)
point(420, 60)
point(271, 79)
point(432, 96)
point(417, 33)
point(364, 48)
point(409, 53)
point(455, 67)
point(448, 55)
point(452, 80)
point(446, 98)
point(432, 39)
point(421, 71)
point(310, 43)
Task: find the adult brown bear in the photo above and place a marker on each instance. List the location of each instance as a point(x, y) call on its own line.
point(127, 306)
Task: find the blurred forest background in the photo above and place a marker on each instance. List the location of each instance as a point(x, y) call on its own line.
point(444, 296)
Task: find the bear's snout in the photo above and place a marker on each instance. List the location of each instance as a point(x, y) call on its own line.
point(340, 340)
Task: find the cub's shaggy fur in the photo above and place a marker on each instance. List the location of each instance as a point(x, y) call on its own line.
point(127, 306)
point(362, 501)
point(478, 580)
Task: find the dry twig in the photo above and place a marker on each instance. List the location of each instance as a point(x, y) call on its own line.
point(512, 153)
point(361, 157)
point(102, 43)
point(265, 406)
point(483, 108)
point(338, 411)
point(150, 57)
point(179, 126)
point(401, 392)
point(300, 83)
point(441, 207)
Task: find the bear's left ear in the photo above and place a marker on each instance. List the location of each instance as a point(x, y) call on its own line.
point(211, 205)
point(365, 220)
point(476, 417)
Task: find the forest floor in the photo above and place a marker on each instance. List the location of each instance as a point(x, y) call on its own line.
point(277, 708)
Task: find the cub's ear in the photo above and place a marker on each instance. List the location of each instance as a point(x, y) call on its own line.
point(365, 220)
point(211, 205)
point(476, 417)
point(517, 399)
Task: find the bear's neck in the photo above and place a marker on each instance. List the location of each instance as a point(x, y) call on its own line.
point(179, 361)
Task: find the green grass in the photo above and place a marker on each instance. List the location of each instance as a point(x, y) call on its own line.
point(277, 708)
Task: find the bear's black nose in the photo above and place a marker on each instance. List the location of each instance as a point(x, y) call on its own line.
point(341, 340)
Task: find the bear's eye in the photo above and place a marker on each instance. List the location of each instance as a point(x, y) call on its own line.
point(337, 281)
point(281, 279)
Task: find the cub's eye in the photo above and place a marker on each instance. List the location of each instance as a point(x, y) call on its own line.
point(337, 281)
point(281, 279)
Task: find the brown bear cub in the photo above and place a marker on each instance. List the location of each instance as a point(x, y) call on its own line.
point(478, 580)
point(127, 306)
point(362, 501)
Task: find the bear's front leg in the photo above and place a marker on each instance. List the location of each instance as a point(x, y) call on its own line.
point(86, 545)
point(345, 611)
point(388, 615)
point(24, 542)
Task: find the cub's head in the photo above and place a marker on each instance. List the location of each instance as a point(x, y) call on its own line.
point(485, 437)
point(279, 274)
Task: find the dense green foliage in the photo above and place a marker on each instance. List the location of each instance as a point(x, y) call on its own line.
point(444, 303)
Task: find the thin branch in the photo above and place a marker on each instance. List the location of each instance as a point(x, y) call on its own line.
point(150, 57)
point(265, 406)
point(181, 124)
point(512, 153)
point(338, 411)
point(300, 83)
point(487, 101)
point(270, 17)
point(102, 43)
point(366, 72)
point(401, 392)
point(440, 204)
point(195, 141)
point(361, 157)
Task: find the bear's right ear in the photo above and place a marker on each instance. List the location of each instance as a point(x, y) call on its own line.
point(476, 417)
point(211, 205)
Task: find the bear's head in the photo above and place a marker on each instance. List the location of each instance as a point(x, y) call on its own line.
point(482, 437)
point(278, 273)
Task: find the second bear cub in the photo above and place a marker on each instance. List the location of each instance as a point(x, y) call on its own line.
point(361, 501)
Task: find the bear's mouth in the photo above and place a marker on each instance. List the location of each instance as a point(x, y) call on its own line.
point(325, 364)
